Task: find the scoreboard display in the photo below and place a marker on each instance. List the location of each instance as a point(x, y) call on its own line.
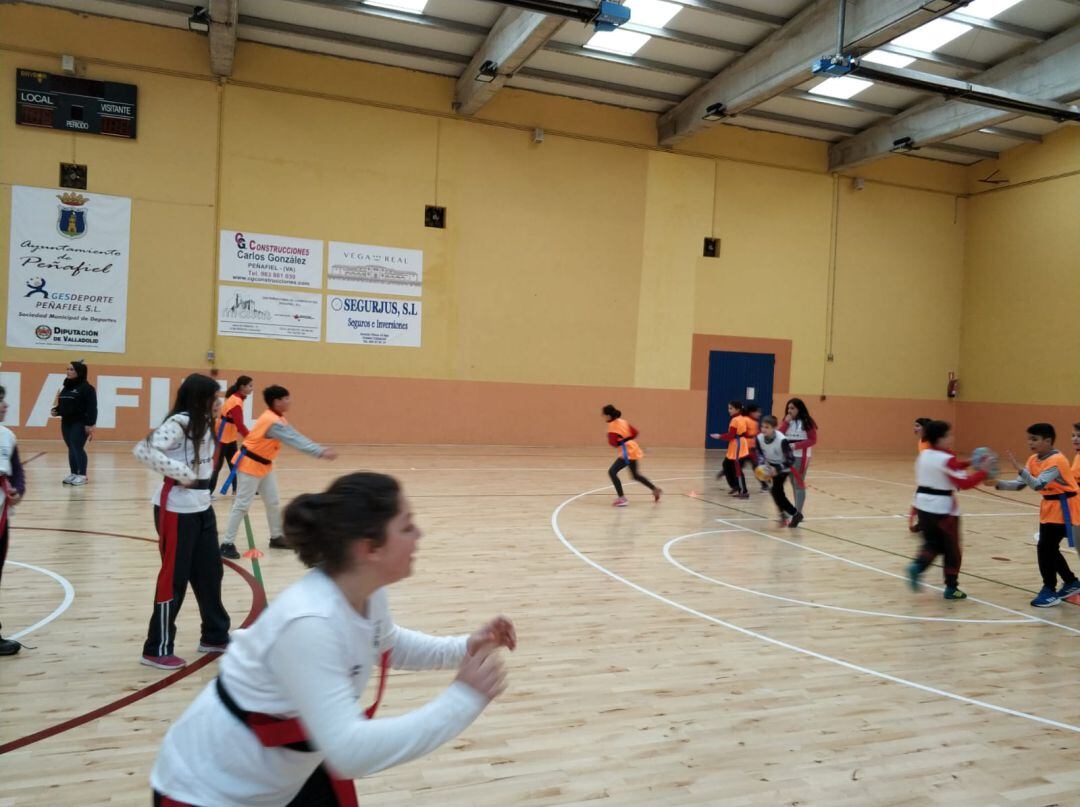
point(75, 104)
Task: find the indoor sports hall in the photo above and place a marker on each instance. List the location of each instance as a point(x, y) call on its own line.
point(708, 372)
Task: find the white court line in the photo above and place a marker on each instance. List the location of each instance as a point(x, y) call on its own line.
point(836, 475)
point(871, 518)
point(777, 642)
point(868, 567)
point(915, 618)
point(69, 596)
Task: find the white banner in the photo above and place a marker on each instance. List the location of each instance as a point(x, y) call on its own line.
point(68, 270)
point(275, 260)
point(264, 314)
point(370, 321)
point(382, 270)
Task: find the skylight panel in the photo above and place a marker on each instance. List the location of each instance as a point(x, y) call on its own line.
point(988, 9)
point(887, 58)
point(842, 87)
point(619, 41)
point(933, 35)
point(413, 6)
point(653, 13)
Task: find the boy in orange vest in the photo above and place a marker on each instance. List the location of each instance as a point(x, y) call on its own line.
point(254, 468)
point(1048, 472)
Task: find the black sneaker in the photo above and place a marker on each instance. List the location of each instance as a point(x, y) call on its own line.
point(796, 520)
point(9, 647)
point(279, 542)
point(229, 551)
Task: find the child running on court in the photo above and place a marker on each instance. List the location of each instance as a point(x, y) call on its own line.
point(1048, 472)
point(621, 435)
point(776, 453)
point(254, 467)
point(801, 430)
point(231, 425)
point(939, 474)
point(737, 450)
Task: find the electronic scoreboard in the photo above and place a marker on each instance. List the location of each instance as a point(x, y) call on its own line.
point(75, 104)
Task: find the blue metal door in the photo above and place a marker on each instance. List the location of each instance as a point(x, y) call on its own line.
point(746, 377)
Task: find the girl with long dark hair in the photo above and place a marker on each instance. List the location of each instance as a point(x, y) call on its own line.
point(181, 449)
point(801, 430)
point(231, 424)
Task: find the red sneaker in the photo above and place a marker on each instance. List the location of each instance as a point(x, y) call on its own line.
point(622, 501)
point(164, 662)
point(657, 493)
point(209, 647)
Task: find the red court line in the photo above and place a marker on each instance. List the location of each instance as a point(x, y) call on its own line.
point(258, 603)
point(36, 456)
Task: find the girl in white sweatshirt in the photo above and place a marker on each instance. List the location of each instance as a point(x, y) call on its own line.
point(280, 725)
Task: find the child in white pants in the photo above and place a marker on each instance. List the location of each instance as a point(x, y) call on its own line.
point(254, 468)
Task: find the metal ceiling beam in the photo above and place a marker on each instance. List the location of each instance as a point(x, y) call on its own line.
point(937, 58)
point(516, 36)
point(825, 126)
point(1005, 28)
point(421, 20)
point(952, 148)
point(1049, 71)
point(794, 120)
point(261, 24)
point(844, 103)
point(567, 49)
point(222, 35)
point(596, 84)
point(734, 12)
point(673, 35)
point(1012, 134)
point(781, 61)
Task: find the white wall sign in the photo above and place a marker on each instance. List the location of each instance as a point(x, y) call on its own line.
point(383, 270)
point(265, 314)
point(372, 321)
point(68, 270)
point(275, 260)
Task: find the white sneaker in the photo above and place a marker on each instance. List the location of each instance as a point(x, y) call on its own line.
point(68, 478)
point(77, 481)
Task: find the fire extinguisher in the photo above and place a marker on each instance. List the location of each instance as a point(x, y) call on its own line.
point(954, 386)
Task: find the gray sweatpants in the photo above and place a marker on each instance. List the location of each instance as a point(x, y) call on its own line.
point(246, 488)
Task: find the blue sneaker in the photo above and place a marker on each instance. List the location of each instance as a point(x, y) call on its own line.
point(1047, 598)
point(913, 574)
point(953, 593)
point(1069, 589)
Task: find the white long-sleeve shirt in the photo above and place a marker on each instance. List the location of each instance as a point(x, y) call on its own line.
point(309, 655)
point(941, 471)
point(169, 452)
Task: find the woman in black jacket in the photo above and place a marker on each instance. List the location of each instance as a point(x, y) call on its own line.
point(76, 405)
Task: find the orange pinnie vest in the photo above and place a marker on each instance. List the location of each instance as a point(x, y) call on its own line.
point(1057, 501)
point(739, 447)
point(259, 444)
point(229, 432)
point(622, 428)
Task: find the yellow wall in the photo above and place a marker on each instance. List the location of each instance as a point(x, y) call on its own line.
point(576, 261)
point(1021, 324)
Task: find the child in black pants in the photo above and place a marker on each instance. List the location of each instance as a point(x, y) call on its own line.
point(778, 456)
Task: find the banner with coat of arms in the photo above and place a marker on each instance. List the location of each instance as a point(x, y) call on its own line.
point(68, 270)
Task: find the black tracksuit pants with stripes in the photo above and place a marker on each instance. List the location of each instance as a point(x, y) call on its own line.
point(196, 560)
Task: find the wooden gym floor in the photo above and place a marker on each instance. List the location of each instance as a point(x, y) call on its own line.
point(683, 653)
